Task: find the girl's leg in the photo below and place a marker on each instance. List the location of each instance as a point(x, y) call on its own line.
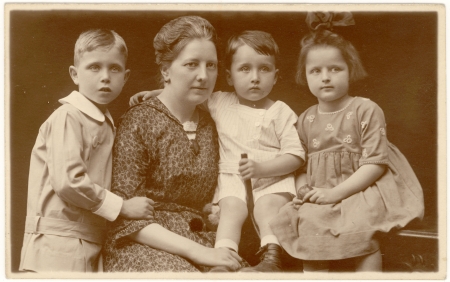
point(233, 212)
point(266, 208)
point(316, 266)
point(371, 262)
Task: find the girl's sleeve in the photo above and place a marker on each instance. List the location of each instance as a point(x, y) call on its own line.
point(287, 133)
point(68, 171)
point(132, 153)
point(372, 127)
point(303, 140)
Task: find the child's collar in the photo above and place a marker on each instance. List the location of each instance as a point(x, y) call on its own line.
point(83, 104)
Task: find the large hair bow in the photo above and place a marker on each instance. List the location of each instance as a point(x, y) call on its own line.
point(328, 20)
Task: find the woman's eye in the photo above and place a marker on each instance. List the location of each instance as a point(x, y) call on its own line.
point(211, 66)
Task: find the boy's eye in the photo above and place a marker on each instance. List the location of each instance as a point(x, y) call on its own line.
point(94, 68)
point(245, 69)
point(265, 69)
point(115, 69)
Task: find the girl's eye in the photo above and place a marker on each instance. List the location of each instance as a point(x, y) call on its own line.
point(335, 69)
point(211, 66)
point(245, 69)
point(94, 68)
point(314, 71)
point(191, 65)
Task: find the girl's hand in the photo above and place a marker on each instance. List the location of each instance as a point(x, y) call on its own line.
point(142, 96)
point(216, 256)
point(322, 196)
point(297, 202)
point(249, 169)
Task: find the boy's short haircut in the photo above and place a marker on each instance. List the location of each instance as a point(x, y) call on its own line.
point(260, 41)
point(98, 38)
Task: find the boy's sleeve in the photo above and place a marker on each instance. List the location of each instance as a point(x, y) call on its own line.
point(68, 170)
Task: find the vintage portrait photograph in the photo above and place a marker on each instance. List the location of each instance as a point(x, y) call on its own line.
point(225, 141)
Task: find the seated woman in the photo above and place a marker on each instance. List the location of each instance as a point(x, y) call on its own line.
point(166, 149)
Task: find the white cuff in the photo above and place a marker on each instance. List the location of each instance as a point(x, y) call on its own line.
point(111, 206)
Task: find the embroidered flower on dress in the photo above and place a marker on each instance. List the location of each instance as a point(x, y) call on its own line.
point(363, 124)
point(364, 153)
point(315, 143)
point(348, 139)
point(329, 127)
point(311, 118)
point(382, 131)
point(349, 114)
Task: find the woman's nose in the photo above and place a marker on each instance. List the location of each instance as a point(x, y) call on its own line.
point(202, 73)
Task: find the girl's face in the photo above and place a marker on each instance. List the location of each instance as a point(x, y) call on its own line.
point(327, 75)
point(251, 74)
point(193, 73)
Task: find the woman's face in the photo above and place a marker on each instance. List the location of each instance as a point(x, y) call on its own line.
point(193, 73)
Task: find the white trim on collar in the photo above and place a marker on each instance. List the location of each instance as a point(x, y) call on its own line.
point(83, 104)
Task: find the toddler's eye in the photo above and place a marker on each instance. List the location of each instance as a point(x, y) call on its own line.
point(94, 68)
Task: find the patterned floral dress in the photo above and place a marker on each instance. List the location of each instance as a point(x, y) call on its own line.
point(337, 144)
point(153, 157)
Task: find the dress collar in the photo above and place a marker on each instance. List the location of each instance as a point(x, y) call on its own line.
point(83, 104)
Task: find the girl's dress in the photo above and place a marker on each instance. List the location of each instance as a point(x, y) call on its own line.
point(338, 143)
point(263, 134)
point(153, 158)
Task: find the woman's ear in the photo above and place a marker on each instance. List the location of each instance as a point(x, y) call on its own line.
point(229, 80)
point(73, 74)
point(165, 74)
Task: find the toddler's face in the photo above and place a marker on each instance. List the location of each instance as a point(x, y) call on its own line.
point(251, 74)
point(100, 75)
point(327, 74)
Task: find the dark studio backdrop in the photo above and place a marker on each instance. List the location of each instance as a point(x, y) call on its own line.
point(398, 50)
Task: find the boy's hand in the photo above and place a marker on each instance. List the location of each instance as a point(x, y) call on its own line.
point(142, 96)
point(249, 169)
point(137, 208)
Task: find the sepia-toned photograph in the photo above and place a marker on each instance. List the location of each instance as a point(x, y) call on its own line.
point(225, 141)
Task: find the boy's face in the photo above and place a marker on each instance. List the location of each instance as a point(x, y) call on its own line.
point(251, 74)
point(100, 75)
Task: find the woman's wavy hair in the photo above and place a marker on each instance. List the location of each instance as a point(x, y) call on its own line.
point(324, 38)
point(176, 34)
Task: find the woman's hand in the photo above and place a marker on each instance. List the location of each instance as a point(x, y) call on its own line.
point(142, 96)
point(249, 169)
point(322, 196)
point(215, 257)
point(137, 208)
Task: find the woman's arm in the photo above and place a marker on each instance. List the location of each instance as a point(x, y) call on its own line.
point(360, 180)
point(281, 165)
point(156, 236)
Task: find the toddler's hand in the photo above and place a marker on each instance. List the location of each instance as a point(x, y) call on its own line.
point(137, 208)
point(322, 196)
point(249, 169)
point(297, 202)
point(142, 96)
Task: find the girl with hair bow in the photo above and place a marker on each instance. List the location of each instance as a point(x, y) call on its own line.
point(362, 185)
